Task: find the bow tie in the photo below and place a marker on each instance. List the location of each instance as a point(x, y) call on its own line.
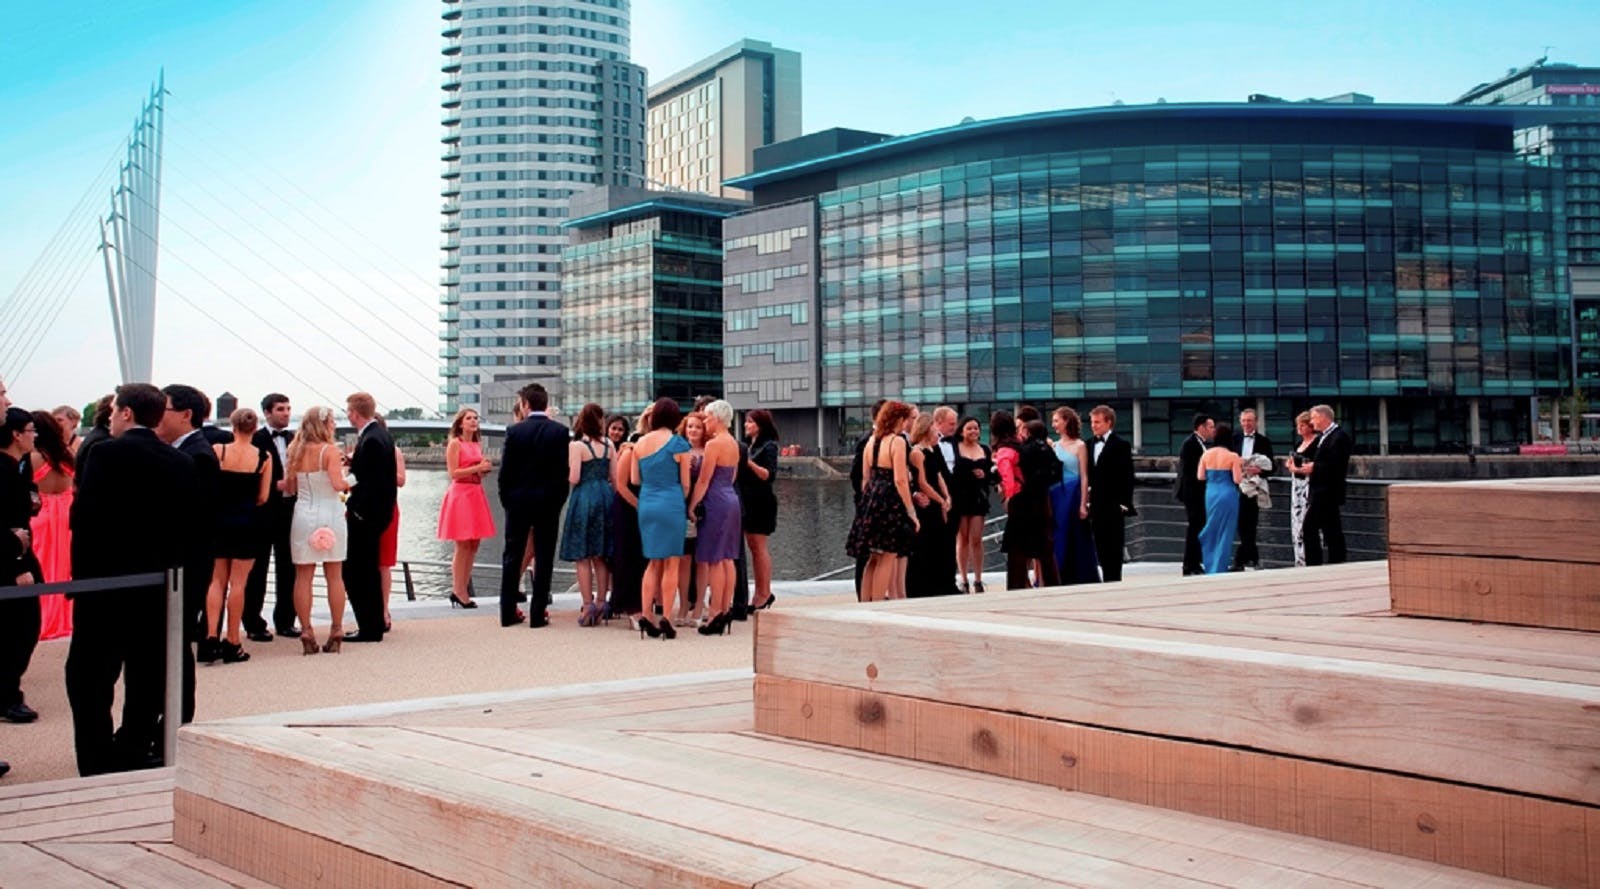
point(1099, 439)
point(279, 433)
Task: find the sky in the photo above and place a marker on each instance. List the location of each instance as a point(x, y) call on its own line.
point(300, 201)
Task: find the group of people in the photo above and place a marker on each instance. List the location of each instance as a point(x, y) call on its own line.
point(1222, 485)
point(658, 513)
point(151, 488)
point(923, 487)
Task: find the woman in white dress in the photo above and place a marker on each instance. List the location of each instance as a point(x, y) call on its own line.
point(314, 476)
point(1300, 483)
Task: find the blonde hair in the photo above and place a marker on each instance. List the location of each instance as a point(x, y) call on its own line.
point(316, 428)
point(456, 430)
point(243, 421)
point(920, 427)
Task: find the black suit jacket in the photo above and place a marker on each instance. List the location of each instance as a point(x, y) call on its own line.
point(1331, 466)
point(1190, 489)
point(373, 464)
point(1263, 447)
point(263, 440)
point(17, 505)
point(133, 510)
point(207, 475)
point(1111, 478)
point(85, 444)
point(533, 466)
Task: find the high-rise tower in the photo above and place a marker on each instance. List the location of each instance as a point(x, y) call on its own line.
point(539, 102)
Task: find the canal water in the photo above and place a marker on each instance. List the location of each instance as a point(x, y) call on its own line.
point(813, 517)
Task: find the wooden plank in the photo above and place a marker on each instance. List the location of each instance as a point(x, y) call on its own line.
point(95, 792)
point(131, 866)
point(1558, 522)
point(9, 793)
point(1460, 826)
point(284, 856)
point(1529, 592)
point(1415, 720)
point(206, 866)
point(143, 833)
point(420, 815)
point(87, 824)
point(83, 810)
point(24, 867)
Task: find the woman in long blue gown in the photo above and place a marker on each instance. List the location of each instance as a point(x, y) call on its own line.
point(1220, 469)
point(1069, 502)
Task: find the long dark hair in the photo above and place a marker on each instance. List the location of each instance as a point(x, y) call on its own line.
point(49, 442)
point(766, 428)
point(1002, 429)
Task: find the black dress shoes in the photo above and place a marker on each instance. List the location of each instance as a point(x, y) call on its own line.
point(290, 632)
point(260, 635)
point(515, 619)
point(20, 712)
point(363, 636)
point(4, 767)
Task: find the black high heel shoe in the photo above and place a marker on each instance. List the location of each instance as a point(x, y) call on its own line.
point(667, 632)
point(646, 628)
point(720, 624)
point(771, 597)
point(457, 603)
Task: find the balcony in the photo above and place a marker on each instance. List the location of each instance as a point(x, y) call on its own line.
point(450, 207)
point(450, 298)
point(450, 315)
point(450, 334)
point(451, 116)
point(452, 12)
point(450, 225)
point(451, 243)
point(451, 83)
point(452, 171)
point(449, 352)
point(452, 65)
point(451, 278)
point(453, 153)
point(451, 49)
point(452, 30)
point(451, 100)
point(452, 138)
point(450, 261)
point(450, 189)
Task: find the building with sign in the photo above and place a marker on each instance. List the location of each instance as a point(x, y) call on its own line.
point(1574, 148)
point(1401, 262)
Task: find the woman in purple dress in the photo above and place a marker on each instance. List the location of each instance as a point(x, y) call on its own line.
point(718, 542)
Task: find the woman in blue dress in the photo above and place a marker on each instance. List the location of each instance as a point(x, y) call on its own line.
point(1219, 468)
point(661, 470)
point(586, 537)
point(1069, 502)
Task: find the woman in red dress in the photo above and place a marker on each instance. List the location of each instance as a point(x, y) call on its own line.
point(464, 515)
point(51, 462)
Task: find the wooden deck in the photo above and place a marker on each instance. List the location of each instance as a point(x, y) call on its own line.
point(666, 783)
point(114, 830)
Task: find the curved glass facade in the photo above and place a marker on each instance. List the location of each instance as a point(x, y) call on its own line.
point(1423, 265)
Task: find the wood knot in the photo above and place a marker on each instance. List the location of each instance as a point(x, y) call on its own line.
point(984, 744)
point(869, 711)
point(1427, 824)
point(872, 671)
point(1482, 587)
point(1069, 760)
point(806, 710)
point(1306, 714)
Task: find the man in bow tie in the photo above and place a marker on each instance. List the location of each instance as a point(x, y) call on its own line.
point(1248, 442)
point(1110, 490)
point(273, 437)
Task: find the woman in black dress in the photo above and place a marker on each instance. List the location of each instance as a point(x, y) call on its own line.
point(1028, 524)
point(886, 521)
point(758, 501)
point(242, 487)
point(928, 555)
point(973, 478)
point(627, 550)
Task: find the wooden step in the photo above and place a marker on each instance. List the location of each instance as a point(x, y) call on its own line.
point(1516, 552)
point(668, 784)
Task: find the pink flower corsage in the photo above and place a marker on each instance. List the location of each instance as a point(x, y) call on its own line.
point(323, 539)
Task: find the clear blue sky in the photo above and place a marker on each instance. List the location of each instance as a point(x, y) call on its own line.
point(303, 156)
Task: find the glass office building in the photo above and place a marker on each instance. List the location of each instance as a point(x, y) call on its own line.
point(1399, 262)
point(641, 280)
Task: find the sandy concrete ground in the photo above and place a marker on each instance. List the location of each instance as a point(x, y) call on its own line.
point(433, 651)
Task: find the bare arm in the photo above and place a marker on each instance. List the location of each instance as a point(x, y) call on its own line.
point(399, 468)
point(1083, 480)
point(574, 463)
point(333, 462)
point(1238, 469)
point(902, 478)
point(452, 461)
point(266, 480)
point(683, 471)
point(623, 470)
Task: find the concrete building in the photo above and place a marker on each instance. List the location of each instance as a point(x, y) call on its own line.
point(1400, 262)
point(1572, 146)
point(642, 283)
point(539, 102)
point(707, 120)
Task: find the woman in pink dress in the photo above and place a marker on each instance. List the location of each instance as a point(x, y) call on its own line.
point(464, 515)
point(52, 538)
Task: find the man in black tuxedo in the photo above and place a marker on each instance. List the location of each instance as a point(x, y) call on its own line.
point(19, 618)
point(533, 488)
point(1328, 472)
point(187, 407)
point(273, 437)
point(1110, 490)
point(945, 421)
point(1247, 442)
point(133, 513)
point(1191, 491)
point(368, 512)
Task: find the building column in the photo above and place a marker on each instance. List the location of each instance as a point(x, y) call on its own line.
point(1555, 419)
point(1383, 427)
point(1475, 425)
point(1138, 427)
